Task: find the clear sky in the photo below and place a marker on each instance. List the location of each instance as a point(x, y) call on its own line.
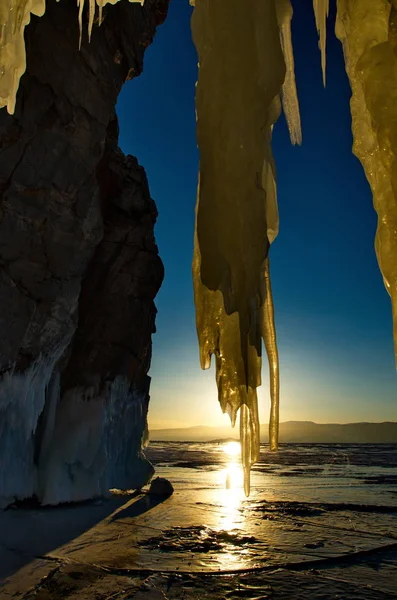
point(333, 315)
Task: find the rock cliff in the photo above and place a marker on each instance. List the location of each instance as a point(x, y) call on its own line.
point(79, 266)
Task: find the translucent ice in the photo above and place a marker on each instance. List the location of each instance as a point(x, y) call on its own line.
point(289, 94)
point(321, 8)
point(14, 16)
point(368, 32)
point(241, 71)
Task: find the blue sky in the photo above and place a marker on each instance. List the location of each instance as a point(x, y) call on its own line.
point(333, 315)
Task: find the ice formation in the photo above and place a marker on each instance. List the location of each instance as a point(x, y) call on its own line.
point(91, 442)
point(289, 94)
point(241, 71)
point(321, 8)
point(22, 399)
point(14, 17)
point(246, 65)
point(95, 444)
point(368, 32)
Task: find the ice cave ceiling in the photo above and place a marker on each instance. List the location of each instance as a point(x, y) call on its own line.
point(246, 74)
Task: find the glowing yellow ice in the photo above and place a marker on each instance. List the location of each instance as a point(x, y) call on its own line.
point(289, 94)
point(321, 9)
point(14, 16)
point(368, 32)
point(241, 71)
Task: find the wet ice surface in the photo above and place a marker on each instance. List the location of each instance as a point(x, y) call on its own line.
point(307, 502)
point(321, 522)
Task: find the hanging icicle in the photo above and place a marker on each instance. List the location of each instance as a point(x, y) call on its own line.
point(241, 71)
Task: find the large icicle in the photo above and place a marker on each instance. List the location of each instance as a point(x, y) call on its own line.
point(368, 32)
point(321, 9)
point(241, 71)
point(14, 17)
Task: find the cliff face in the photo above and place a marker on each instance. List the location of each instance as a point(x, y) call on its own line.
point(79, 266)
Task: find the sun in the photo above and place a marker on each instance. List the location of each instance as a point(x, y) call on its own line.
point(232, 448)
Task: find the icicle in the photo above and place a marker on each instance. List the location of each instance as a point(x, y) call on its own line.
point(14, 17)
point(269, 336)
point(321, 9)
point(289, 94)
point(80, 4)
point(100, 17)
point(367, 30)
point(241, 71)
point(91, 16)
point(249, 438)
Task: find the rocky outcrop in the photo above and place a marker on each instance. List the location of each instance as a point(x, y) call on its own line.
point(79, 267)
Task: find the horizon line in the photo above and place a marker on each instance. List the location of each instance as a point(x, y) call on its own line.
point(281, 423)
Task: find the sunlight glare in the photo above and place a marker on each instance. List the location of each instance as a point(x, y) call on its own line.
point(232, 448)
point(232, 494)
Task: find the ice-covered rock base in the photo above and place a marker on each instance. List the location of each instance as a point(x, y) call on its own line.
point(95, 444)
point(74, 448)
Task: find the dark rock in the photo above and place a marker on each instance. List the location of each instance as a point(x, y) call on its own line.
point(161, 487)
point(79, 267)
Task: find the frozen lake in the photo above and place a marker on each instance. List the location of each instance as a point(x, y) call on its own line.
point(320, 523)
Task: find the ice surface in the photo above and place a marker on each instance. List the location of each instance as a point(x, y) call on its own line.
point(241, 71)
point(368, 32)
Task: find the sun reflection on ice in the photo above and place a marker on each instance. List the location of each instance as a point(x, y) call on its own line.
point(232, 448)
point(233, 493)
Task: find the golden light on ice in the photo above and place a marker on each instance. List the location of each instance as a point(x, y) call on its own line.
point(232, 478)
point(232, 474)
point(232, 448)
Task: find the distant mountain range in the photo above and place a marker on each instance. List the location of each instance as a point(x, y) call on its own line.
point(290, 431)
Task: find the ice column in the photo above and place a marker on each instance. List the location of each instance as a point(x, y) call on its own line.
point(241, 71)
point(368, 32)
